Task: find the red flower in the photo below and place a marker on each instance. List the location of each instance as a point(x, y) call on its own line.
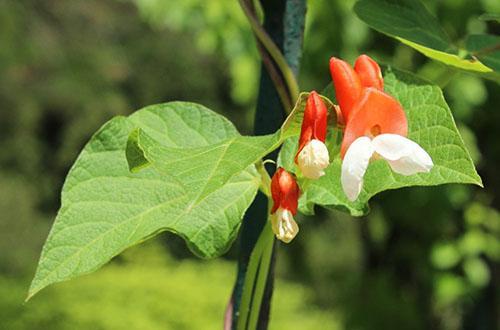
point(285, 193)
point(375, 125)
point(312, 155)
point(367, 110)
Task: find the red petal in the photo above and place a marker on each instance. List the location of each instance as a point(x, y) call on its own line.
point(275, 189)
point(314, 122)
point(375, 113)
point(284, 191)
point(289, 192)
point(369, 72)
point(320, 118)
point(347, 85)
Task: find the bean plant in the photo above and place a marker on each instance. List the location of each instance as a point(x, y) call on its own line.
point(184, 168)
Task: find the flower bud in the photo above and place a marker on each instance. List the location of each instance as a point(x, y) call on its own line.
point(285, 193)
point(312, 155)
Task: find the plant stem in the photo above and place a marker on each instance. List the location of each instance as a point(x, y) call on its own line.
point(262, 277)
point(273, 50)
point(255, 281)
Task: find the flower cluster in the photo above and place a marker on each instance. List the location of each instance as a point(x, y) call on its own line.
point(376, 127)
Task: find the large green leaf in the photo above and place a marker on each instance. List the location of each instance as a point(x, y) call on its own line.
point(201, 182)
point(203, 169)
point(412, 24)
point(106, 208)
point(431, 125)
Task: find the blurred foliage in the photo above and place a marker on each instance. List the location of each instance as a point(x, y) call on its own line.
point(425, 258)
point(146, 289)
point(218, 27)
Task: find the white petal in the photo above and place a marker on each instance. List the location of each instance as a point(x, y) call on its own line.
point(354, 166)
point(403, 155)
point(313, 159)
point(284, 226)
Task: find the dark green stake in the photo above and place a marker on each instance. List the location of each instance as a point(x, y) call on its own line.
point(284, 22)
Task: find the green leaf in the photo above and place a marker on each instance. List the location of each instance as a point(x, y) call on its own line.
point(106, 208)
point(201, 170)
point(412, 24)
point(485, 47)
point(176, 166)
point(431, 125)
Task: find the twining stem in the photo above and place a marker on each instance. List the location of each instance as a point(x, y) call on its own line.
point(274, 51)
point(273, 71)
point(486, 50)
point(285, 98)
point(267, 61)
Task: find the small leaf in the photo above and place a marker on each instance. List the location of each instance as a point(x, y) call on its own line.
point(431, 125)
point(412, 24)
point(106, 208)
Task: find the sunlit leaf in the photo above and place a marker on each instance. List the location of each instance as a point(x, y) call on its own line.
point(106, 208)
point(412, 24)
point(177, 166)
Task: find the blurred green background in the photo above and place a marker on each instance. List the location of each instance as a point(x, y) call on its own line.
point(425, 258)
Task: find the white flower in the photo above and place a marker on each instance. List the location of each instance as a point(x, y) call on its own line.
point(284, 226)
point(313, 159)
point(403, 155)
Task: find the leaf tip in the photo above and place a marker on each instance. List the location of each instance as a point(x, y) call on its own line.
point(32, 291)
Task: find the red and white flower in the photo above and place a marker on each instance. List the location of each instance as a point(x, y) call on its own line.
point(375, 125)
point(285, 193)
point(312, 156)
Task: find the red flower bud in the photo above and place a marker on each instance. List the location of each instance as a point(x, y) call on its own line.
point(285, 191)
point(314, 122)
point(312, 155)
